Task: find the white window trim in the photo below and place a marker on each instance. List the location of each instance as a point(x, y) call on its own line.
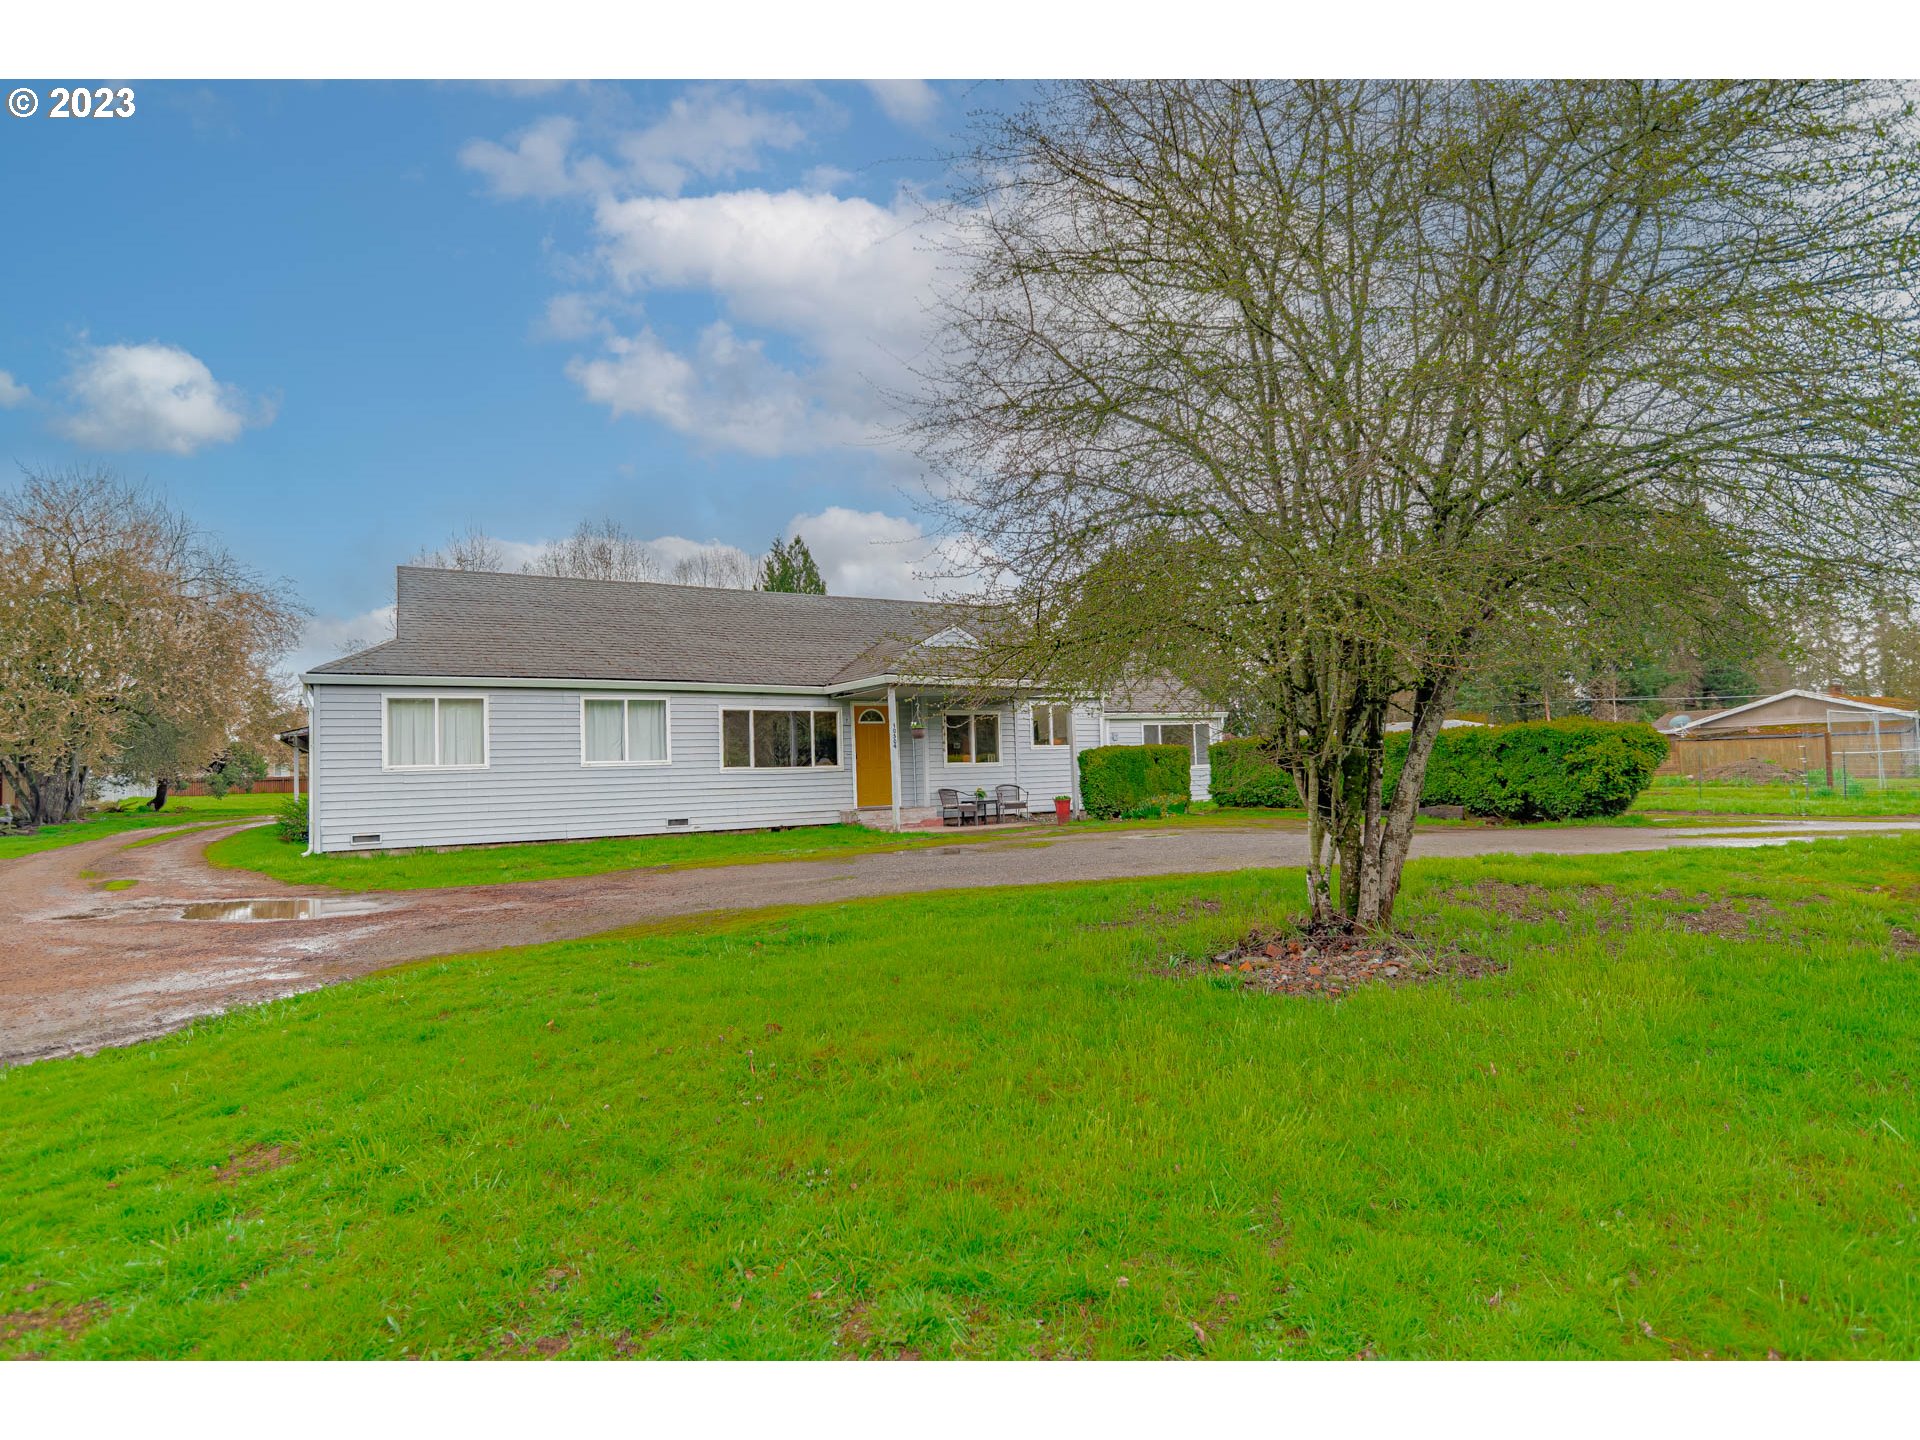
point(840, 726)
point(1051, 743)
point(486, 731)
point(1194, 752)
point(973, 743)
point(625, 733)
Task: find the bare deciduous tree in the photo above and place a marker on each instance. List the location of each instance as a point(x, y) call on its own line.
point(121, 627)
point(469, 549)
point(1312, 389)
point(597, 550)
point(718, 567)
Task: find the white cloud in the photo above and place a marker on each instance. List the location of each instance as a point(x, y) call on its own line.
point(822, 299)
point(328, 637)
point(153, 397)
point(724, 391)
point(539, 166)
point(572, 315)
point(868, 552)
point(707, 133)
point(906, 102)
point(12, 392)
point(845, 279)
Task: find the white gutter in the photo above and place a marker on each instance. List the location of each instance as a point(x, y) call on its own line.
point(500, 682)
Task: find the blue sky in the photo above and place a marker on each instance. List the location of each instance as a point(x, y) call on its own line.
point(335, 322)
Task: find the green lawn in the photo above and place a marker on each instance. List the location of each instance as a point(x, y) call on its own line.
point(197, 810)
point(1863, 798)
point(263, 852)
point(980, 1124)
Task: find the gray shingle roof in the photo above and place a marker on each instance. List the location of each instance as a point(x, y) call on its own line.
point(476, 623)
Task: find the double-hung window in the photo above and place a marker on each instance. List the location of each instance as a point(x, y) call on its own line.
point(436, 732)
point(623, 730)
point(779, 739)
point(1193, 736)
point(1052, 724)
point(973, 739)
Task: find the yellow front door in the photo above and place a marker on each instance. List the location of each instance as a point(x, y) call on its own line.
point(872, 761)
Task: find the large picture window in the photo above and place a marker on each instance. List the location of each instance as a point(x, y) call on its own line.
point(1052, 724)
point(973, 739)
point(436, 732)
point(1194, 737)
point(779, 739)
point(623, 730)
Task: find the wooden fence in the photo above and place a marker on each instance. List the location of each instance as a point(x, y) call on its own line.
point(1819, 753)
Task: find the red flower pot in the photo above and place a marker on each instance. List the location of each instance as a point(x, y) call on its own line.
point(1063, 810)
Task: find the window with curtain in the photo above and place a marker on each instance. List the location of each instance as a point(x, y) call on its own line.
point(1194, 737)
point(623, 730)
point(1052, 724)
point(973, 739)
point(436, 732)
point(779, 739)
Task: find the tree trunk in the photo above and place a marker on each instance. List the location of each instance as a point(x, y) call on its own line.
point(1392, 838)
point(50, 799)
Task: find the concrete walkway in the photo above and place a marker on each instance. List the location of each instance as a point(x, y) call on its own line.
point(82, 966)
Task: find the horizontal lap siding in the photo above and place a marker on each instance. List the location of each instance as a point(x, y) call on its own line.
point(1043, 771)
point(535, 787)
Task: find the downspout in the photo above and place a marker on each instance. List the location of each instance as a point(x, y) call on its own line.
point(313, 771)
point(893, 752)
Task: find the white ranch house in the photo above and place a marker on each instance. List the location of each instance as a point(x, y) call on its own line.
point(525, 707)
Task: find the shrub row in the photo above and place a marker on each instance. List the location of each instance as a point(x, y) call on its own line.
point(1245, 776)
point(1573, 769)
point(1115, 779)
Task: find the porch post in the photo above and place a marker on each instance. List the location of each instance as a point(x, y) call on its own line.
point(296, 770)
point(1073, 755)
point(893, 752)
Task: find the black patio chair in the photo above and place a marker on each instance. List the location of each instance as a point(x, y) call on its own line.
point(1013, 802)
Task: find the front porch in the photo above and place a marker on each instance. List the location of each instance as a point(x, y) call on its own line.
point(909, 744)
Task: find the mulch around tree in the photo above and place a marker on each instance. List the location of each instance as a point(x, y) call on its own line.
point(1331, 963)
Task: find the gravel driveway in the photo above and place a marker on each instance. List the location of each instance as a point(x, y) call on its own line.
point(83, 967)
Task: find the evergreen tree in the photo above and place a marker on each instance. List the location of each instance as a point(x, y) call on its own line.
point(789, 567)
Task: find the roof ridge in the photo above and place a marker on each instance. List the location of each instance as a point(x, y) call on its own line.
point(668, 585)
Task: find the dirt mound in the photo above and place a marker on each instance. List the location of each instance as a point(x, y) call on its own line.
point(1331, 963)
point(1762, 772)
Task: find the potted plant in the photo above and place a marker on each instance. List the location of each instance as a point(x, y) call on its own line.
point(1063, 808)
point(917, 726)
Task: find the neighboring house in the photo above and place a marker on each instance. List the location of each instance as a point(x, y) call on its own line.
point(526, 707)
point(1795, 710)
point(1799, 731)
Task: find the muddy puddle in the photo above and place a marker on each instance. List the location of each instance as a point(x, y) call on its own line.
point(299, 909)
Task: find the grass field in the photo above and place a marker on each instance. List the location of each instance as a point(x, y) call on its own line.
point(197, 810)
point(263, 852)
point(980, 1124)
point(1677, 793)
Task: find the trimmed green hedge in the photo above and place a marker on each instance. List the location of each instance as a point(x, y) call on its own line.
point(1115, 779)
point(1574, 769)
point(1245, 776)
